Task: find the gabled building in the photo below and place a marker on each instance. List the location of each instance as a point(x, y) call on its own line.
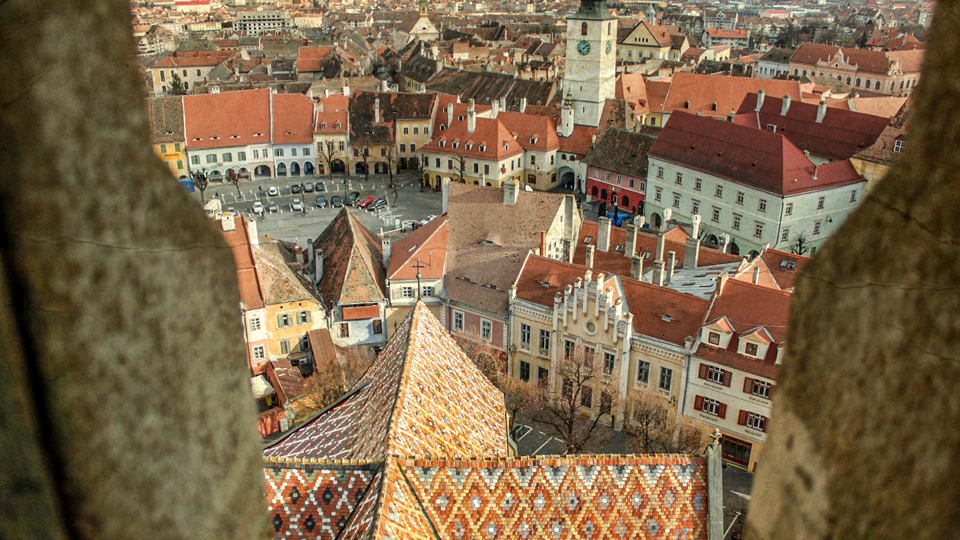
point(645, 40)
point(617, 169)
point(774, 63)
point(347, 266)
point(734, 366)
point(752, 185)
point(338, 475)
point(889, 73)
point(331, 132)
point(874, 162)
point(192, 67)
point(736, 38)
point(166, 124)
point(415, 271)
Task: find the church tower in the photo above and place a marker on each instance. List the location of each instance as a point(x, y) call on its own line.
point(591, 69)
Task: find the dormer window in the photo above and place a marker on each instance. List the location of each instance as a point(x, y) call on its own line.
point(460, 118)
point(506, 146)
point(443, 143)
point(469, 146)
point(483, 148)
point(443, 127)
point(336, 126)
point(323, 127)
point(455, 144)
point(686, 104)
point(713, 338)
point(751, 349)
point(533, 140)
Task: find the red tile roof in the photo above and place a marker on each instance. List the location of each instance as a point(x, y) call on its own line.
point(353, 270)
point(717, 95)
point(188, 59)
point(780, 267)
point(839, 135)
point(311, 59)
point(429, 243)
point(292, 119)
point(227, 119)
point(249, 283)
point(755, 157)
point(358, 313)
point(490, 133)
point(579, 142)
point(538, 133)
point(865, 59)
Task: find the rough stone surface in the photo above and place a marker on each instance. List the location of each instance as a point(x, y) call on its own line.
point(125, 410)
point(864, 441)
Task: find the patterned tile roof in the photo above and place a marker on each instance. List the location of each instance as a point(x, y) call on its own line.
point(409, 405)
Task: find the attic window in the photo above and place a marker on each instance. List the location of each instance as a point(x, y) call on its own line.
point(288, 133)
point(460, 118)
point(197, 139)
point(469, 146)
point(666, 318)
point(489, 243)
point(771, 127)
point(714, 106)
point(336, 126)
point(546, 284)
point(214, 138)
point(619, 248)
point(492, 286)
point(323, 126)
point(646, 256)
point(788, 265)
point(455, 144)
point(533, 140)
point(443, 142)
point(443, 127)
point(686, 104)
point(413, 248)
point(506, 146)
point(258, 134)
point(465, 278)
point(483, 148)
point(588, 239)
point(234, 136)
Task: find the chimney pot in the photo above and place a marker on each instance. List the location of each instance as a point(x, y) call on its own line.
point(671, 263)
point(631, 247)
point(603, 234)
point(760, 96)
point(636, 268)
point(786, 105)
point(589, 259)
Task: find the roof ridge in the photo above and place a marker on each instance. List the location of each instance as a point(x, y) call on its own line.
point(392, 427)
point(315, 461)
point(382, 475)
point(357, 236)
point(547, 458)
point(416, 498)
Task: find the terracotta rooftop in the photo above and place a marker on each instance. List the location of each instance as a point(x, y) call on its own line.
point(188, 59)
point(227, 119)
point(292, 119)
point(166, 119)
point(429, 244)
point(717, 95)
point(408, 404)
point(353, 270)
point(281, 276)
point(866, 60)
point(839, 135)
point(248, 281)
point(754, 157)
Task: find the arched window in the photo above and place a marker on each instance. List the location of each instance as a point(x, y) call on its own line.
point(796, 72)
point(609, 28)
point(625, 202)
point(848, 80)
point(858, 82)
point(583, 29)
point(868, 84)
point(595, 191)
point(877, 86)
point(804, 73)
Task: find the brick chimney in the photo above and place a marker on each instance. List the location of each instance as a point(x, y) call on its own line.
point(603, 234)
point(471, 117)
point(346, 90)
point(636, 268)
point(589, 259)
point(511, 191)
point(691, 253)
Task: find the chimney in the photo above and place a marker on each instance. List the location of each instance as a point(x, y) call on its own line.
point(603, 234)
point(385, 246)
point(661, 239)
point(822, 109)
point(640, 221)
point(503, 103)
point(252, 235)
point(722, 282)
point(496, 108)
point(631, 247)
point(724, 242)
point(511, 190)
point(523, 105)
point(449, 115)
point(691, 254)
point(471, 117)
point(764, 247)
point(756, 275)
point(376, 111)
point(760, 95)
point(384, 86)
point(667, 216)
point(636, 268)
point(445, 196)
point(543, 240)
point(671, 263)
point(786, 106)
point(298, 253)
point(311, 252)
point(658, 273)
point(816, 169)
point(346, 90)
point(589, 262)
point(318, 267)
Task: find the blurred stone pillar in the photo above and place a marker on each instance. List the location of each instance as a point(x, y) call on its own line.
point(125, 409)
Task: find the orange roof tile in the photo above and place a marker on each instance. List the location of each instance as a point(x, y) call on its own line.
point(716, 95)
point(358, 313)
point(227, 119)
point(429, 244)
point(292, 119)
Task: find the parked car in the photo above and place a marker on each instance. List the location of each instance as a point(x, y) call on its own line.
point(258, 208)
point(426, 220)
point(308, 188)
point(320, 187)
point(378, 203)
point(336, 201)
point(296, 205)
point(365, 202)
point(294, 189)
point(321, 202)
point(273, 191)
point(352, 198)
point(273, 207)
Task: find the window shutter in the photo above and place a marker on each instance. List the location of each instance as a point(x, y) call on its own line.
point(743, 418)
point(722, 410)
point(726, 378)
point(280, 320)
point(306, 316)
point(703, 371)
point(698, 403)
point(748, 385)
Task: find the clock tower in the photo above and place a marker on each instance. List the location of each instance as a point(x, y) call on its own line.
point(591, 69)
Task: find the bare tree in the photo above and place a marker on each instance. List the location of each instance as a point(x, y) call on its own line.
point(658, 429)
point(327, 152)
point(391, 162)
point(200, 181)
point(364, 156)
point(330, 381)
point(459, 168)
point(800, 245)
point(587, 391)
point(418, 165)
point(234, 178)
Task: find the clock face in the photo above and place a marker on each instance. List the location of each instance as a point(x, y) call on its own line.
point(609, 46)
point(583, 48)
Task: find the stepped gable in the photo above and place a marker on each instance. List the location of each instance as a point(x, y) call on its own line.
point(352, 262)
point(315, 500)
point(563, 497)
point(754, 157)
point(839, 135)
point(408, 404)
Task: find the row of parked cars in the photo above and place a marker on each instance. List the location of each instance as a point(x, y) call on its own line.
point(295, 189)
point(353, 199)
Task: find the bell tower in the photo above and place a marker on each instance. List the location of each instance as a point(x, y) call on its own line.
point(591, 67)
